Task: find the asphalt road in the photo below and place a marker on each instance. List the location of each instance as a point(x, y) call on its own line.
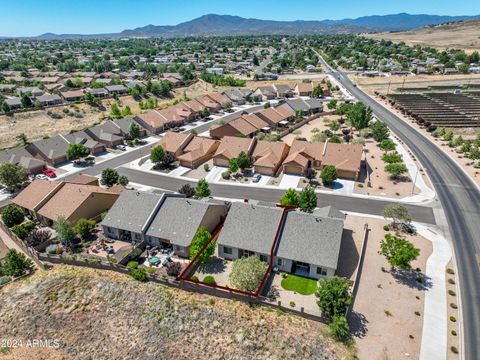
point(367, 206)
point(460, 199)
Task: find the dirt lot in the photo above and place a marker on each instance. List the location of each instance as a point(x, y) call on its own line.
point(381, 84)
point(389, 328)
point(463, 35)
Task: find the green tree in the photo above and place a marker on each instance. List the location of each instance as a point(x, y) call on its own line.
point(392, 157)
point(387, 145)
point(91, 99)
point(84, 228)
point(339, 328)
point(75, 151)
point(332, 104)
point(12, 175)
point(65, 232)
point(233, 165)
point(115, 112)
point(307, 200)
point(399, 252)
point(206, 112)
point(139, 274)
point(290, 198)
point(201, 238)
point(16, 263)
point(359, 116)
point(134, 131)
point(328, 175)
point(157, 154)
point(12, 215)
point(202, 190)
point(109, 177)
point(396, 169)
point(397, 212)
point(247, 273)
point(317, 92)
point(333, 296)
point(380, 131)
point(243, 161)
point(26, 101)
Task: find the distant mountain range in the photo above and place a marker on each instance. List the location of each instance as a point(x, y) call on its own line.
point(221, 25)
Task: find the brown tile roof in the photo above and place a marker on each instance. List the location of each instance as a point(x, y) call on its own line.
point(304, 87)
point(69, 198)
point(219, 98)
point(231, 146)
point(173, 142)
point(83, 179)
point(343, 156)
point(207, 101)
point(269, 154)
point(255, 121)
point(273, 115)
point(34, 193)
point(198, 148)
point(242, 126)
point(153, 118)
point(194, 105)
point(72, 93)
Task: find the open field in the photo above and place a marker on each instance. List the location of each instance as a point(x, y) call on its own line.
point(462, 35)
point(105, 315)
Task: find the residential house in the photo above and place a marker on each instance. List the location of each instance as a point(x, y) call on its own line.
point(307, 245)
point(48, 200)
point(49, 99)
point(174, 143)
point(81, 137)
point(152, 120)
point(195, 106)
point(276, 117)
point(73, 95)
point(20, 156)
point(238, 96)
point(208, 102)
point(14, 103)
point(35, 91)
point(163, 220)
point(230, 147)
point(347, 158)
point(83, 179)
point(306, 106)
point(219, 98)
point(303, 89)
point(124, 125)
point(97, 92)
point(116, 89)
point(265, 93)
point(53, 150)
point(267, 156)
point(199, 150)
point(283, 90)
point(107, 133)
point(245, 125)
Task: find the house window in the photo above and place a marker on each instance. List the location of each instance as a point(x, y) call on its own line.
point(109, 230)
point(248, 253)
point(279, 262)
point(263, 258)
point(179, 248)
point(227, 250)
point(321, 271)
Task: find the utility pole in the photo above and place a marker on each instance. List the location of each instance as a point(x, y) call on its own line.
point(414, 181)
point(388, 89)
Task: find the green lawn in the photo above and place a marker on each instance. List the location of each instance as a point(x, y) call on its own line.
point(299, 284)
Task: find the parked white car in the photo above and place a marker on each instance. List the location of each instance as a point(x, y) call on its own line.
point(41, 177)
point(121, 147)
point(256, 178)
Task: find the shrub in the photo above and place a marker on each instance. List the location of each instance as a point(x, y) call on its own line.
point(206, 167)
point(12, 215)
point(411, 336)
point(84, 228)
point(339, 327)
point(209, 280)
point(194, 278)
point(247, 273)
point(454, 333)
point(360, 185)
point(292, 303)
point(451, 281)
point(453, 306)
point(453, 319)
point(450, 271)
point(20, 231)
point(417, 313)
point(139, 274)
point(151, 270)
point(211, 302)
point(387, 312)
point(454, 349)
point(132, 264)
point(386, 228)
point(451, 292)
point(226, 175)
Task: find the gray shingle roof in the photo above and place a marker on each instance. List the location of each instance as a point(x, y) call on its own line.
point(131, 211)
point(298, 104)
point(311, 239)
point(250, 227)
point(178, 220)
point(53, 147)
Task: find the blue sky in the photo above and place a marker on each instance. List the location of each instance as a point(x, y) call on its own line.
point(34, 17)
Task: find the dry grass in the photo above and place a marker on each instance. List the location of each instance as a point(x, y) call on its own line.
point(462, 35)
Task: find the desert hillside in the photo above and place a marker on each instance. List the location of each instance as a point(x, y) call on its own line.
point(461, 35)
point(104, 315)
